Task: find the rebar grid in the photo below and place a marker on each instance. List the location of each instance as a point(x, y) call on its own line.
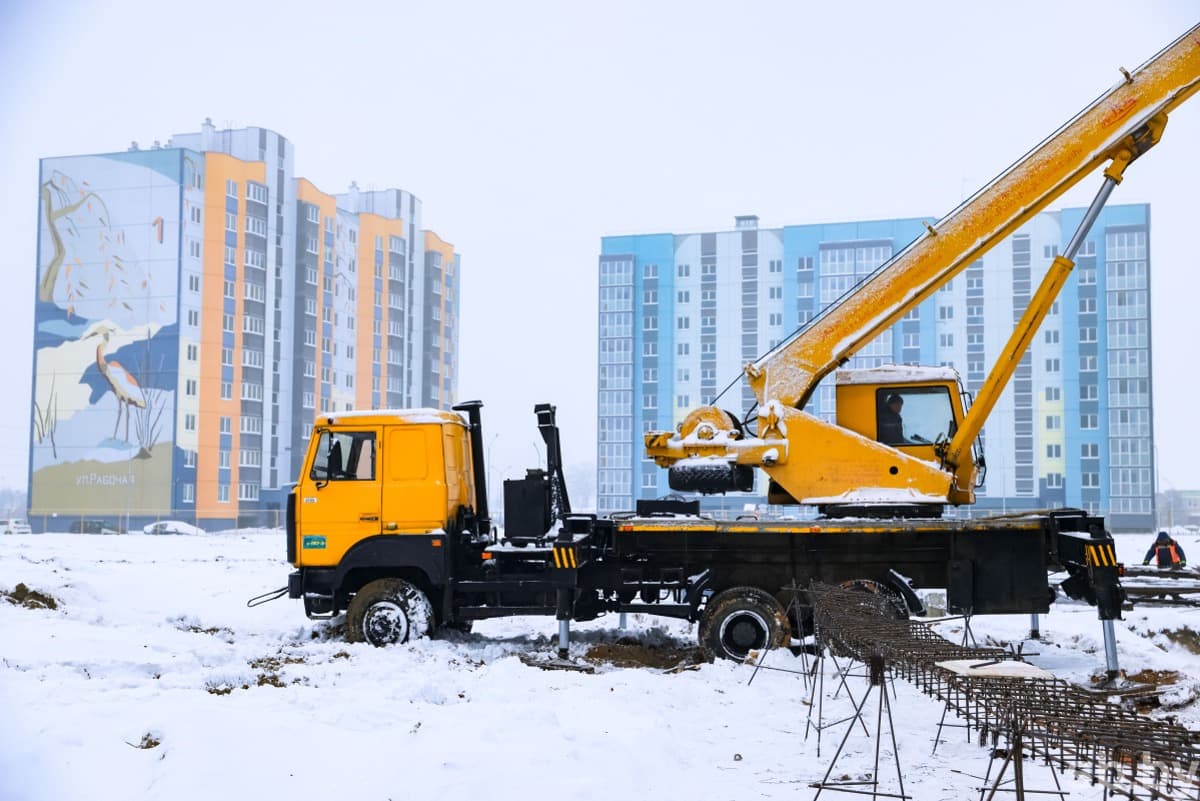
point(1133, 756)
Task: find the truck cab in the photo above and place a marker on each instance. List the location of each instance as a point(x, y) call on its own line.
point(378, 485)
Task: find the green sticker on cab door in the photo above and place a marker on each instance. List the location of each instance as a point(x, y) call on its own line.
point(314, 543)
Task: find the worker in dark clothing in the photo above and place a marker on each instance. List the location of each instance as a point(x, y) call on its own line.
point(890, 424)
point(1167, 551)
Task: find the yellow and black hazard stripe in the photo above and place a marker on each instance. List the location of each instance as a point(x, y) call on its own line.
point(565, 557)
point(1102, 555)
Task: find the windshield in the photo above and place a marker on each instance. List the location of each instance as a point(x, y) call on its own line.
point(913, 415)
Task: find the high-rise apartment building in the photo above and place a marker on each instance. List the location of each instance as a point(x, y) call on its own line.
point(198, 305)
point(681, 314)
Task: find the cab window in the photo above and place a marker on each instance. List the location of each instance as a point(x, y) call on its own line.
point(913, 415)
point(344, 456)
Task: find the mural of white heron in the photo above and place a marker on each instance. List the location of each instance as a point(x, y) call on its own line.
point(124, 386)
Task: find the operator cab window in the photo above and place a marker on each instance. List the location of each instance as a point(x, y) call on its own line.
point(344, 456)
point(913, 415)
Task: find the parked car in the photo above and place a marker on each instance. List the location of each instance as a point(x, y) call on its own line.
point(172, 527)
point(15, 525)
point(92, 527)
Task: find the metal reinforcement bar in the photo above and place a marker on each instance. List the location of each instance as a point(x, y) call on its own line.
point(1007, 701)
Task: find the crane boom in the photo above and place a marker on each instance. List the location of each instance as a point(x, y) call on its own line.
point(813, 461)
point(791, 372)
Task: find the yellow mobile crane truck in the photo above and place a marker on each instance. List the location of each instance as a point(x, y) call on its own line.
point(390, 519)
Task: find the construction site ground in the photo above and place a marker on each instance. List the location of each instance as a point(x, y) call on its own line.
point(135, 658)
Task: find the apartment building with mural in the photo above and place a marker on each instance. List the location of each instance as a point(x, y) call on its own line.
point(198, 305)
point(680, 314)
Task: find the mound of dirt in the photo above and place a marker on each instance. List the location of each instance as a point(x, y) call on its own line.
point(629, 653)
point(30, 599)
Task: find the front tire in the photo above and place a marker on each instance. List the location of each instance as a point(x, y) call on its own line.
point(740, 620)
point(388, 612)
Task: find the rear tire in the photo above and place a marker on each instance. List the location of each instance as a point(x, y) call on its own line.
point(740, 620)
point(388, 612)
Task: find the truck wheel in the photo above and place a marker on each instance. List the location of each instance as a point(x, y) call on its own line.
point(388, 612)
point(740, 620)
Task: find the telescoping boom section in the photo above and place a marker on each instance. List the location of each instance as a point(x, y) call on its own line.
point(812, 461)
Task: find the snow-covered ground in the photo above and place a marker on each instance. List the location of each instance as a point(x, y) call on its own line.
point(152, 645)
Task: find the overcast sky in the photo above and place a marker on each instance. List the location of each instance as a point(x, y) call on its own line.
point(530, 130)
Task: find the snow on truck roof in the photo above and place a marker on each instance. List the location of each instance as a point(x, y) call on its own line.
point(896, 373)
point(411, 416)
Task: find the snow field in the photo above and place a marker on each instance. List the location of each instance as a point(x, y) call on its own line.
point(152, 642)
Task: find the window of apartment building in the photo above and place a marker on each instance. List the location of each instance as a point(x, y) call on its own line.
point(649, 375)
point(708, 349)
point(248, 457)
point(189, 387)
point(1087, 333)
point(649, 271)
point(192, 353)
point(227, 322)
point(227, 357)
point(247, 491)
point(775, 292)
point(1090, 480)
point(1087, 364)
point(682, 401)
point(1053, 365)
point(226, 390)
point(230, 289)
point(775, 266)
point(256, 259)
point(1053, 422)
point(682, 323)
point(252, 357)
point(189, 458)
point(1054, 451)
point(313, 214)
point(230, 221)
point(194, 248)
point(325, 344)
point(683, 349)
point(222, 493)
point(256, 192)
point(251, 424)
point(327, 314)
point(708, 269)
point(1054, 480)
point(683, 296)
point(1089, 392)
point(253, 325)
point(256, 226)
point(1089, 450)
point(649, 297)
point(945, 312)
point(775, 318)
point(1051, 336)
point(255, 292)
point(649, 348)
point(1087, 276)
point(910, 339)
point(189, 422)
point(1089, 421)
point(683, 270)
point(226, 425)
point(946, 340)
point(222, 459)
point(1053, 393)
point(682, 374)
point(804, 264)
point(231, 188)
point(189, 493)
point(308, 400)
point(649, 401)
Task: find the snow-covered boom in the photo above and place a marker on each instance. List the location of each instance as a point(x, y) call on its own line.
point(836, 466)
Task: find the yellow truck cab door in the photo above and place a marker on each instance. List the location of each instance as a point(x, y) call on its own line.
point(340, 498)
